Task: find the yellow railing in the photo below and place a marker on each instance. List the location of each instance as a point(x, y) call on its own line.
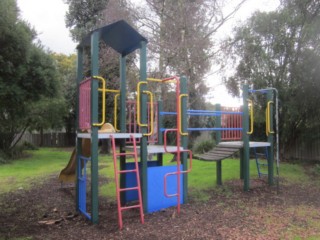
point(151, 113)
point(251, 116)
point(138, 108)
point(268, 121)
point(104, 90)
point(103, 101)
point(180, 113)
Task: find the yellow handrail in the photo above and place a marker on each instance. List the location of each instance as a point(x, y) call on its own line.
point(103, 102)
point(268, 122)
point(180, 112)
point(154, 80)
point(138, 106)
point(151, 113)
point(115, 112)
point(108, 90)
point(161, 80)
point(251, 116)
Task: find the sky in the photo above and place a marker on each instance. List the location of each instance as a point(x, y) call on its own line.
point(48, 18)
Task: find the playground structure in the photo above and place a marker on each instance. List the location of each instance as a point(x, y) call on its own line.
point(148, 184)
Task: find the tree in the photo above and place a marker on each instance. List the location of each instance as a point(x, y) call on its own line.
point(27, 76)
point(66, 66)
point(181, 35)
point(281, 49)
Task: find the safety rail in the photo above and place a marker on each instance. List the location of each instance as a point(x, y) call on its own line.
point(178, 152)
point(138, 108)
point(103, 120)
point(251, 116)
point(268, 121)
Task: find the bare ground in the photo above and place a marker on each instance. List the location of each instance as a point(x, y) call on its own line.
point(48, 212)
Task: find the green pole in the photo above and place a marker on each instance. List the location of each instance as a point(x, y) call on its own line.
point(184, 139)
point(218, 140)
point(241, 156)
point(78, 140)
point(122, 125)
point(245, 139)
point(160, 135)
point(143, 117)
point(270, 140)
point(94, 130)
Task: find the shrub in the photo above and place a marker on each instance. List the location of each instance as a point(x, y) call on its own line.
point(204, 146)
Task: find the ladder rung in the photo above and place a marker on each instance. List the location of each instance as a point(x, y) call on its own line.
point(128, 189)
point(130, 207)
point(127, 171)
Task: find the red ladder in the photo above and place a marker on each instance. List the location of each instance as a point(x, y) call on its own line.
point(117, 173)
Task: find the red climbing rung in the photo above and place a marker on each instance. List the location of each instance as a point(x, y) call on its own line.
point(128, 189)
point(130, 207)
point(118, 172)
point(127, 171)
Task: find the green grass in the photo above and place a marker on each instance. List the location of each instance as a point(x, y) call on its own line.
point(20, 173)
point(46, 161)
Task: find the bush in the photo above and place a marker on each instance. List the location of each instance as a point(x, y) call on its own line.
point(29, 146)
point(204, 146)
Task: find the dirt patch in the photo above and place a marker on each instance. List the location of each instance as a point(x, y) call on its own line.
point(48, 212)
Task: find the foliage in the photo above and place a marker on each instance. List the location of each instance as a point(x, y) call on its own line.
point(66, 66)
point(27, 76)
point(281, 49)
point(83, 16)
point(181, 42)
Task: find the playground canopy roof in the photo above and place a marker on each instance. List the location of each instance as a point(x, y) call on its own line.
point(119, 35)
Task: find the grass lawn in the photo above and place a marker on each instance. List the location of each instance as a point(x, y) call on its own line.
point(47, 161)
point(20, 173)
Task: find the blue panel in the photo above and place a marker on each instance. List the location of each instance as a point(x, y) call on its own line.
point(131, 181)
point(156, 198)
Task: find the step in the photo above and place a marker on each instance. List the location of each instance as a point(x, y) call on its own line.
point(128, 189)
point(126, 171)
point(130, 207)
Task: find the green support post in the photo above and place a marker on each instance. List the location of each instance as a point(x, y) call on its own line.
point(78, 140)
point(270, 140)
point(94, 130)
point(123, 90)
point(184, 138)
point(160, 135)
point(218, 140)
point(241, 157)
point(143, 117)
point(245, 139)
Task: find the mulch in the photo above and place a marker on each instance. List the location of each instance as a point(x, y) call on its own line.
point(47, 211)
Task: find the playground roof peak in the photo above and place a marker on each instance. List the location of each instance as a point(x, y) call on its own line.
point(118, 35)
